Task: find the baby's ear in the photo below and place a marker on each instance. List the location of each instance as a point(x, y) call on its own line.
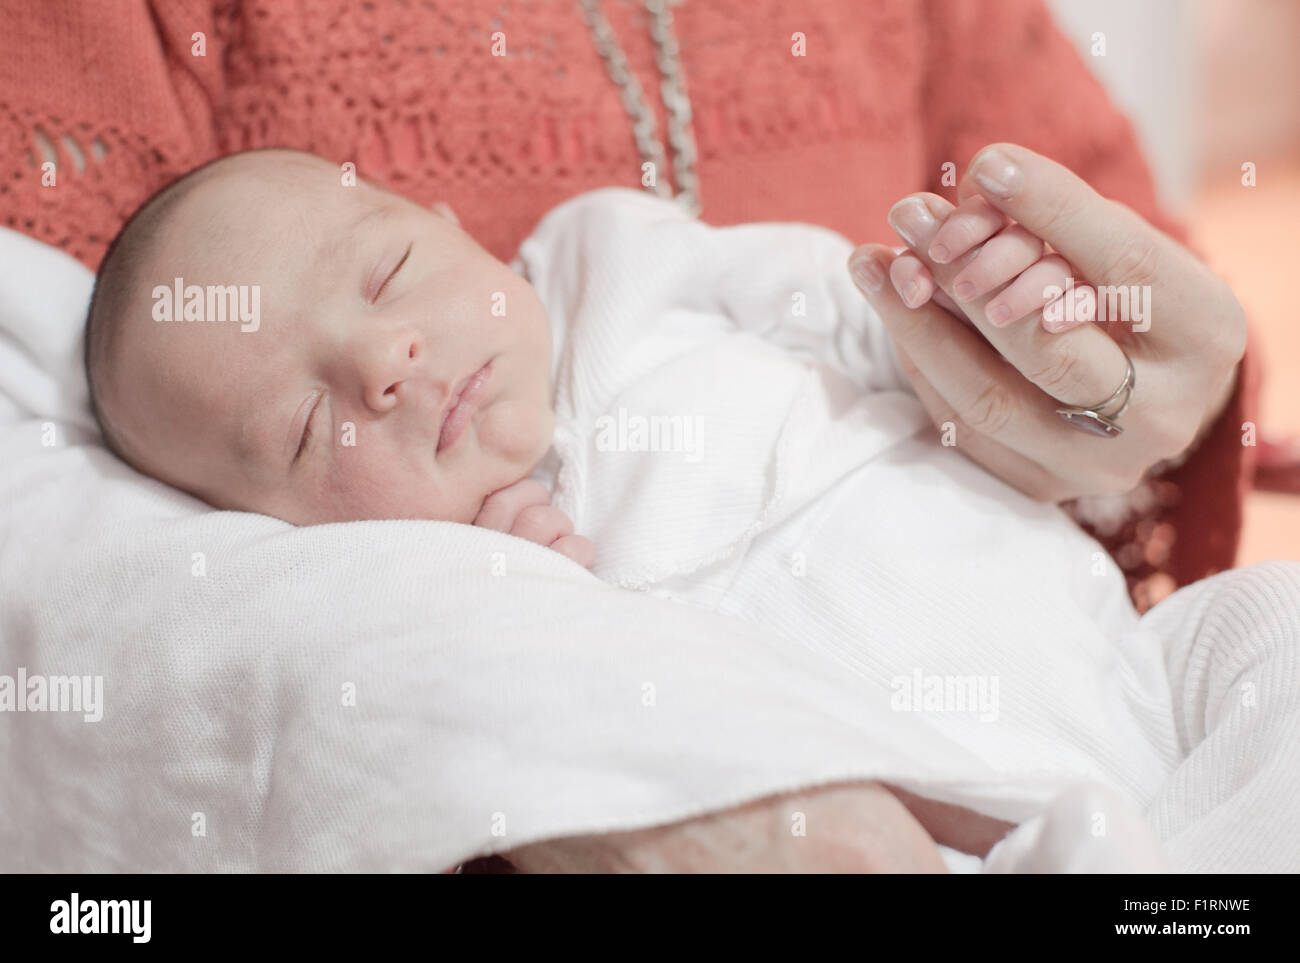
point(443, 209)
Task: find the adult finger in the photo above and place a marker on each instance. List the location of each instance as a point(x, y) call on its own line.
point(911, 279)
point(941, 298)
point(1107, 241)
point(990, 398)
point(1076, 367)
point(1024, 473)
point(907, 268)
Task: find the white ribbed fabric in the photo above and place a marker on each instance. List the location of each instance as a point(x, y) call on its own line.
point(751, 337)
point(1085, 829)
point(1232, 647)
point(404, 695)
point(821, 505)
point(1232, 650)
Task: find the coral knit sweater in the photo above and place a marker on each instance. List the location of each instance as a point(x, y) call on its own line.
point(114, 91)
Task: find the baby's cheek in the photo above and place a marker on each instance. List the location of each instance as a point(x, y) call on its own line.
point(368, 484)
point(517, 432)
point(527, 323)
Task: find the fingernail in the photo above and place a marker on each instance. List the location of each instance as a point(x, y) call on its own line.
point(867, 274)
point(911, 219)
point(911, 294)
point(965, 290)
point(998, 314)
point(939, 253)
point(997, 174)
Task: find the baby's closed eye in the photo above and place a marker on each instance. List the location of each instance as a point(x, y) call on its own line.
point(384, 274)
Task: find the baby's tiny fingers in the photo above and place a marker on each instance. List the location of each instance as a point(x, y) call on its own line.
point(502, 507)
point(972, 221)
point(1061, 316)
point(1001, 259)
point(577, 547)
point(542, 524)
point(911, 279)
point(1037, 286)
point(910, 271)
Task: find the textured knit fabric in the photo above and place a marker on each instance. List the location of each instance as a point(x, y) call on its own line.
point(888, 93)
point(1233, 652)
point(708, 383)
point(795, 483)
point(257, 676)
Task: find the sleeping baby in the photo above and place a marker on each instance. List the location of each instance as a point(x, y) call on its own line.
point(717, 410)
point(380, 337)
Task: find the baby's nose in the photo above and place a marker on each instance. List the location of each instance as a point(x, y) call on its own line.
point(386, 365)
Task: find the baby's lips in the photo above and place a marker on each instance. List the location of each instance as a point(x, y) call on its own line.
point(463, 407)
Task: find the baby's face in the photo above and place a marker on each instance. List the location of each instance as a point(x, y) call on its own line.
point(342, 404)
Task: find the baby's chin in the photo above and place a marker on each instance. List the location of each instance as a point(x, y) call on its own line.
point(502, 448)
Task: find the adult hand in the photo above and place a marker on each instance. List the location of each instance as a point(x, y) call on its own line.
point(1001, 390)
point(848, 828)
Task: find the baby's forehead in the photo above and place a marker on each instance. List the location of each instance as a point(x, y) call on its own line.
point(235, 208)
point(271, 216)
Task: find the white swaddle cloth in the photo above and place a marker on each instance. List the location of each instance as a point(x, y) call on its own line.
point(403, 695)
point(795, 482)
point(817, 499)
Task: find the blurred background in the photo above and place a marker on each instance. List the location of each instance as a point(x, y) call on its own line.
point(1211, 85)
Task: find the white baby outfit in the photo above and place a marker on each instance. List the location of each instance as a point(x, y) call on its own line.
point(734, 432)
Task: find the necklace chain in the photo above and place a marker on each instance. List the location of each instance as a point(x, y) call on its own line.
point(673, 89)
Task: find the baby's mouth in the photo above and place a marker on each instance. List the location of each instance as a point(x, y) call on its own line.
point(462, 407)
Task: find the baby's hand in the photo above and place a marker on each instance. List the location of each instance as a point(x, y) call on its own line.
point(524, 509)
point(988, 251)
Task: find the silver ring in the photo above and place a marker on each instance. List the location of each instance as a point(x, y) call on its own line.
point(1095, 419)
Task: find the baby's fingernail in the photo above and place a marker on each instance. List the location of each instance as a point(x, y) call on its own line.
point(997, 174)
point(939, 253)
point(964, 290)
point(911, 219)
point(867, 274)
point(998, 314)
